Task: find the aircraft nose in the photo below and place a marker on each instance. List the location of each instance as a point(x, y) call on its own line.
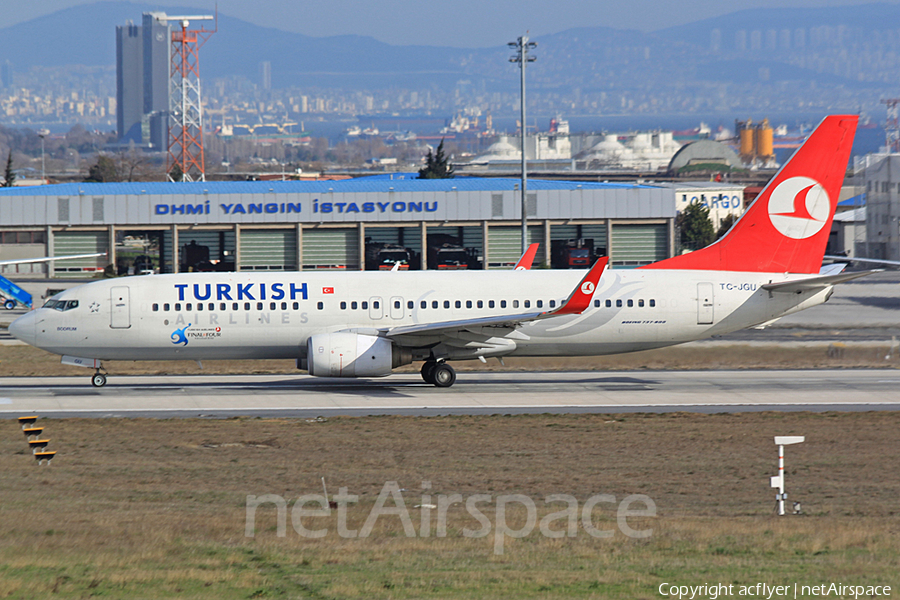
point(23, 328)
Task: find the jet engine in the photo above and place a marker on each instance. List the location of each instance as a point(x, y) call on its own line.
point(345, 354)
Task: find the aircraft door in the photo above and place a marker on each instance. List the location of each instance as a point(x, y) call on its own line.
point(396, 307)
point(120, 307)
point(376, 307)
point(705, 304)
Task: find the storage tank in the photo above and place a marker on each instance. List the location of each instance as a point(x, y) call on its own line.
point(764, 147)
point(745, 130)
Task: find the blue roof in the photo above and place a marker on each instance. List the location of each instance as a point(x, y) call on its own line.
point(859, 200)
point(360, 184)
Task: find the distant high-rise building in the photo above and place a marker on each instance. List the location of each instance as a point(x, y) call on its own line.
point(6, 74)
point(142, 82)
point(715, 40)
point(740, 40)
point(265, 75)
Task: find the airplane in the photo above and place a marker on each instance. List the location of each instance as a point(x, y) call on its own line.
point(365, 324)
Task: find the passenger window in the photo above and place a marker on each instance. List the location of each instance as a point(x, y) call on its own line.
point(376, 304)
point(222, 306)
point(272, 306)
point(527, 304)
point(259, 306)
point(410, 304)
point(503, 304)
point(480, 304)
point(187, 307)
point(246, 306)
point(156, 308)
point(320, 306)
point(515, 304)
point(199, 306)
point(540, 304)
point(446, 304)
point(458, 304)
point(211, 306)
point(468, 304)
point(641, 303)
point(284, 306)
point(234, 306)
point(630, 303)
point(354, 305)
point(296, 306)
point(396, 304)
point(365, 305)
point(553, 304)
point(423, 304)
point(490, 304)
point(608, 303)
point(652, 303)
point(166, 307)
point(618, 304)
point(343, 306)
point(178, 307)
point(596, 304)
point(434, 304)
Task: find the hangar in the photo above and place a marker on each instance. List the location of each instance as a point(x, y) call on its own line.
point(304, 225)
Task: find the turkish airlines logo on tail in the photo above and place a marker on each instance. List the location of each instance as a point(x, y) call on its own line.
point(799, 207)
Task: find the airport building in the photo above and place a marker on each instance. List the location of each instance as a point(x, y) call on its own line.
point(365, 223)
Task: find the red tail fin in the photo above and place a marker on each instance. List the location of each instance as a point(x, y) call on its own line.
point(786, 228)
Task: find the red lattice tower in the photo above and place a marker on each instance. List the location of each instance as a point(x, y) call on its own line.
point(185, 110)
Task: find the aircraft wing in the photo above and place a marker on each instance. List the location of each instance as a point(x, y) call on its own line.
point(849, 259)
point(20, 261)
point(576, 303)
point(814, 283)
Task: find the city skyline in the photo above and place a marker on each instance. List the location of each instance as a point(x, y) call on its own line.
point(470, 23)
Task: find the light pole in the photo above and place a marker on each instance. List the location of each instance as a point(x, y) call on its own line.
point(42, 133)
point(522, 46)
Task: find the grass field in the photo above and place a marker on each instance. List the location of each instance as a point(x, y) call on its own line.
point(157, 508)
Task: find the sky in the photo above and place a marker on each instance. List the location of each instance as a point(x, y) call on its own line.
point(458, 23)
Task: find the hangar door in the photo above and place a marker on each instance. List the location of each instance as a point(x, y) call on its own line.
point(80, 242)
point(634, 245)
point(268, 250)
point(329, 248)
point(505, 245)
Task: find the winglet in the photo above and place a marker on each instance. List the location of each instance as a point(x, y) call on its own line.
point(524, 263)
point(580, 297)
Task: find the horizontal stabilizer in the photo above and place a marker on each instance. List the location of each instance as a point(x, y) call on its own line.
point(814, 283)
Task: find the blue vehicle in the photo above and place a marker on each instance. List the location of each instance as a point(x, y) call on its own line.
point(11, 294)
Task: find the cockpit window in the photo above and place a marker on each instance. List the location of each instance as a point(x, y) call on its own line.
point(51, 303)
point(61, 305)
point(71, 304)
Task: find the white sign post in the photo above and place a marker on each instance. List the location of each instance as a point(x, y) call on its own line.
point(778, 480)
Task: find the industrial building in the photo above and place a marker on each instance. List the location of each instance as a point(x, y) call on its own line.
point(289, 225)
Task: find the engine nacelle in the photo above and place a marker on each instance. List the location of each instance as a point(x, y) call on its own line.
point(345, 354)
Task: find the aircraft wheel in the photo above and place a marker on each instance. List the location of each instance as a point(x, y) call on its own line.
point(428, 371)
point(98, 380)
point(9, 305)
point(444, 375)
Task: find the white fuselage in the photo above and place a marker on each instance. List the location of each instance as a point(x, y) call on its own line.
point(246, 315)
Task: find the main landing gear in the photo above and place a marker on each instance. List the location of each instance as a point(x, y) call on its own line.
point(98, 379)
point(439, 374)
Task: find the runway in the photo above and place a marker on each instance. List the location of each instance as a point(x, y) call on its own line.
point(475, 393)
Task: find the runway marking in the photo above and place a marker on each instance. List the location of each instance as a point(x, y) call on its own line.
point(500, 407)
point(5, 401)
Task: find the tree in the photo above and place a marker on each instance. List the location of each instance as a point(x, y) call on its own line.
point(9, 177)
point(696, 229)
point(725, 225)
point(103, 171)
point(437, 165)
